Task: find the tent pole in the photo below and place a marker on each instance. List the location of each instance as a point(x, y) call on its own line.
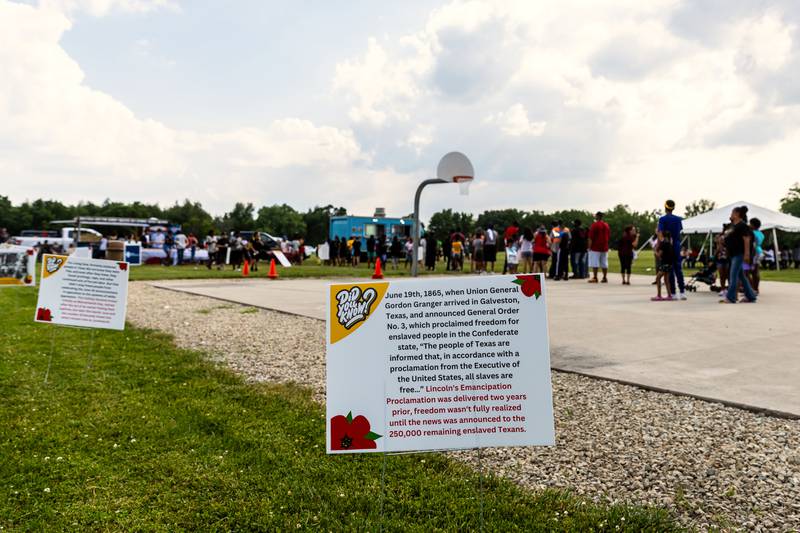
point(703, 247)
point(775, 247)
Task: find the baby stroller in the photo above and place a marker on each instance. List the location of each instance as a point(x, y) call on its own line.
point(707, 275)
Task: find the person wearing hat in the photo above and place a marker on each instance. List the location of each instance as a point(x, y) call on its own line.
point(674, 225)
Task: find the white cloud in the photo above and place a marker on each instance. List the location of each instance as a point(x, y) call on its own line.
point(558, 103)
point(99, 8)
point(381, 84)
point(79, 142)
point(514, 121)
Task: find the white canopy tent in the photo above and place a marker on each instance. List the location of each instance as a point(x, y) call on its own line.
point(712, 222)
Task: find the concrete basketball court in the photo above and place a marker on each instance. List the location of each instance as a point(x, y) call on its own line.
point(741, 354)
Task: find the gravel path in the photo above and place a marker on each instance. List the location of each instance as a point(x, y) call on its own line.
point(711, 465)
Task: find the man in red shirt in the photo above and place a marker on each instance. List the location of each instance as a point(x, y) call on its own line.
point(599, 234)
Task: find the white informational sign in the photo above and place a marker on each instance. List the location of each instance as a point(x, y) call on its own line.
point(324, 252)
point(133, 254)
point(437, 364)
point(17, 266)
point(75, 291)
point(281, 258)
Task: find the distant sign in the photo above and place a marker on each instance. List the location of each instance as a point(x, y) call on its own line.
point(281, 258)
point(76, 291)
point(133, 254)
point(17, 266)
point(438, 364)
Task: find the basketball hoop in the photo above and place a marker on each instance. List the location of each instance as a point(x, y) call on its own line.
point(463, 184)
point(454, 167)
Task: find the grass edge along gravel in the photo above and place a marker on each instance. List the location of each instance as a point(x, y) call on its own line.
point(144, 435)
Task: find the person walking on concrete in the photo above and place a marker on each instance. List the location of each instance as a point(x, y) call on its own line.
point(211, 245)
point(625, 248)
point(599, 235)
point(510, 238)
point(577, 250)
point(738, 243)
point(181, 241)
point(674, 224)
point(555, 244)
point(562, 271)
point(490, 248)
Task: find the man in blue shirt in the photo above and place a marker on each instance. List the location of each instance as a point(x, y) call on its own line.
point(674, 225)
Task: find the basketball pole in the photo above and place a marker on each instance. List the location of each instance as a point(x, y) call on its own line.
point(415, 236)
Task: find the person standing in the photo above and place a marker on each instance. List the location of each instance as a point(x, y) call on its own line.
point(430, 252)
point(395, 251)
point(738, 243)
point(370, 250)
point(625, 248)
point(555, 241)
point(510, 238)
point(408, 248)
point(180, 246)
point(562, 271)
point(490, 247)
point(541, 249)
point(356, 251)
point(758, 245)
point(526, 256)
point(192, 247)
point(663, 252)
point(102, 248)
point(578, 245)
point(211, 246)
point(478, 257)
point(674, 224)
point(599, 234)
point(447, 252)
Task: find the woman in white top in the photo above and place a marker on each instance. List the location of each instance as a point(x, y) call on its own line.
point(526, 251)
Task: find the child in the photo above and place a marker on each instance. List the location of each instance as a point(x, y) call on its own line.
point(512, 258)
point(665, 255)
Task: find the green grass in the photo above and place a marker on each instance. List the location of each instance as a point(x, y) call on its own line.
point(309, 269)
point(145, 436)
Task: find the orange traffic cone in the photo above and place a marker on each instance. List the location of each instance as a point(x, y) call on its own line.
point(246, 268)
point(273, 274)
point(378, 272)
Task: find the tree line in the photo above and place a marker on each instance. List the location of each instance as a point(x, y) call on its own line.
point(280, 220)
point(283, 220)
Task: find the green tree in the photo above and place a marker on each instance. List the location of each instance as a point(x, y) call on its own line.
point(240, 218)
point(790, 203)
point(8, 216)
point(699, 207)
point(500, 218)
point(317, 221)
point(444, 221)
point(191, 216)
point(281, 221)
point(621, 215)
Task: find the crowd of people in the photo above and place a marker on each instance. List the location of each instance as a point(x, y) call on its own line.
point(577, 252)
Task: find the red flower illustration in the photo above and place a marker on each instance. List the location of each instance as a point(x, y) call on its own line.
point(43, 314)
point(348, 433)
point(123, 266)
point(530, 285)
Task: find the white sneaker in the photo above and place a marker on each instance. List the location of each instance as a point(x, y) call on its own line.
point(683, 296)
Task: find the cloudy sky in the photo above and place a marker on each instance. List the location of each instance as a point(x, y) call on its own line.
point(352, 103)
